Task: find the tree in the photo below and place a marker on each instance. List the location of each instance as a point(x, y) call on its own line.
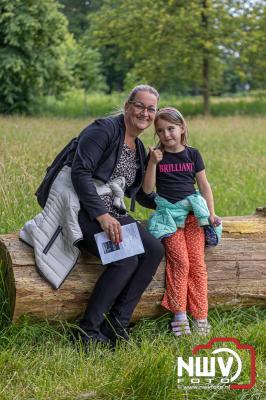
point(76, 12)
point(251, 60)
point(87, 68)
point(176, 45)
point(32, 53)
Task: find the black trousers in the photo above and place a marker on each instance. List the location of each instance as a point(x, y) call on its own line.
point(122, 283)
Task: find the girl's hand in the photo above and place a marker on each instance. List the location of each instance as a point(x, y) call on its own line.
point(155, 155)
point(215, 220)
point(111, 227)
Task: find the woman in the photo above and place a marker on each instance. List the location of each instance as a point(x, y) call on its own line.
point(109, 149)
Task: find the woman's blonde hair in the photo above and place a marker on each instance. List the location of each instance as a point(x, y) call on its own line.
point(132, 94)
point(175, 117)
point(142, 88)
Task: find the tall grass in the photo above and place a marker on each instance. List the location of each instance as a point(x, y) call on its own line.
point(39, 362)
point(77, 103)
point(233, 149)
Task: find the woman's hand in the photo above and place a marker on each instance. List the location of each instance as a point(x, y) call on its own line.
point(155, 155)
point(111, 227)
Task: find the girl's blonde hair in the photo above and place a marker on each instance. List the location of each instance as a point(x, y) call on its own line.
point(175, 117)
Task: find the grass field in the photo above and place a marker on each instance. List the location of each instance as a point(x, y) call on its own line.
point(233, 149)
point(38, 362)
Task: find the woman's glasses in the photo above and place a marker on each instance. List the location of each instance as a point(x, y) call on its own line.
point(141, 107)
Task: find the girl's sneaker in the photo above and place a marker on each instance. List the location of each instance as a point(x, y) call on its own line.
point(201, 327)
point(180, 328)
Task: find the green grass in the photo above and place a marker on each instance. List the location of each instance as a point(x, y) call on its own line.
point(233, 149)
point(76, 104)
point(38, 361)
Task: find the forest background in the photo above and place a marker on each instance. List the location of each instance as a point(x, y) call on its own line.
point(57, 56)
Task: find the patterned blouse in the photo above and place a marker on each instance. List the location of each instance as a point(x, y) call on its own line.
point(126, 167)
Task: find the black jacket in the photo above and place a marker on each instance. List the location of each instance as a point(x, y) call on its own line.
point(98, 152)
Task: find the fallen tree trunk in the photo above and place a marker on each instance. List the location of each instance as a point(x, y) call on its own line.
point(236, 276)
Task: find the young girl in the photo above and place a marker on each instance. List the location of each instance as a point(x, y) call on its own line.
point(180, 214)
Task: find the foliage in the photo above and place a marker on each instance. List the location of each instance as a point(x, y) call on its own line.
point(178, 46)
point(201, 47)
point(32, 52)
point(88, 68)
point(76, 12)
point(251, 58)
point(85, 67)
point(38, 56)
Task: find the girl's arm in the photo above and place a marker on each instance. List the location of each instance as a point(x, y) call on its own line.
point(150, 174)
point(206, 192)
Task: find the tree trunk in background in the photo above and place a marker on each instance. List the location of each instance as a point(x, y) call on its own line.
point(206, 93)
point(205, 61)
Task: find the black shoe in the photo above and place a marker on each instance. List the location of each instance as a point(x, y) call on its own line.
point(114, 330)
point(90, 340)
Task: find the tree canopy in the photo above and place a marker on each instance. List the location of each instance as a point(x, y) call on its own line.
point(197, 47)
point(180, 46)
point(77, 12)
point(32, 36)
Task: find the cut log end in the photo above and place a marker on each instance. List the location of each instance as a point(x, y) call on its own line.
point(261, 210)
point(236, 276)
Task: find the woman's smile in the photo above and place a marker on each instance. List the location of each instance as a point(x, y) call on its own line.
point(140, 112)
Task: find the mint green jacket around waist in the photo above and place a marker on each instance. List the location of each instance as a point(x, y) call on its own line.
point(169, 217)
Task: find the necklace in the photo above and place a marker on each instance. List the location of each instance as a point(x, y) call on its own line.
point(131, 145)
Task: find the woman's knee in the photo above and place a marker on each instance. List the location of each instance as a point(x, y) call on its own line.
point(160, 250)
point(154, 249)
point(129, 263)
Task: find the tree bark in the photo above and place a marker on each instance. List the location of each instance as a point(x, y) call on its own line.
point(205, 61)
point(236, 276)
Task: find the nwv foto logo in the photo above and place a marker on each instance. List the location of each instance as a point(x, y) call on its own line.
point(222, 363)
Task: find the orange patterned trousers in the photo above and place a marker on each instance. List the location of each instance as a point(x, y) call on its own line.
point(186, 274)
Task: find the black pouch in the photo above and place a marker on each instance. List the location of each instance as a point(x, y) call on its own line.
point(211, 238)
point(65, 157)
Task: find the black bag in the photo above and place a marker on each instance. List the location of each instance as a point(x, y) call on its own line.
point(65, 157)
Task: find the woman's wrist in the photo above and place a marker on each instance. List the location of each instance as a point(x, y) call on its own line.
point(101, 217)
point(111, 226)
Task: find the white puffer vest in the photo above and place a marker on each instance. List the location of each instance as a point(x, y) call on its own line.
point(55, 231)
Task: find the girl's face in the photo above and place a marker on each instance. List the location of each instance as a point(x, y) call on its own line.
point(140, 113)
point(169, 135)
